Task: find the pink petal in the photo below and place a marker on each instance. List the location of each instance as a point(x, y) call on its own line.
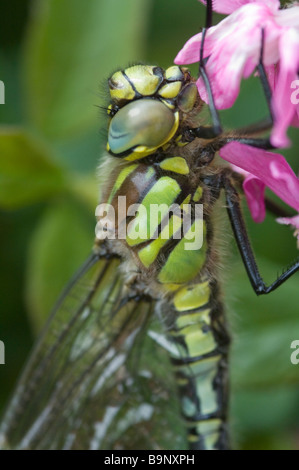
point(271, 71)
point(271, 168)
point(254, 190)
point(288, 17)
point(233, 48)
point(285, 97)
point(190, 51)
point(294, 222)
point(229, 6)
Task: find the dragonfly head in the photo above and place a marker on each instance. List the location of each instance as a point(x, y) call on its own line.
point(147, 105)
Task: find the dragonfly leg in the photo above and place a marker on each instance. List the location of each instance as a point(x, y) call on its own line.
point(216, 129)
point(242, 239)
point(263, 77)
point(260, 143)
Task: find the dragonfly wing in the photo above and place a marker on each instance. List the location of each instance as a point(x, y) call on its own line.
point(96, 379)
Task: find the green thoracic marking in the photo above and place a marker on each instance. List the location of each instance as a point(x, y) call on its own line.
point(120, 179)
point(153, 208)
point(185, 203)
point(184, 264)
point(198, 193)
point(175, 164)
point(149, 253)
point(192, 297)
point(149, 173)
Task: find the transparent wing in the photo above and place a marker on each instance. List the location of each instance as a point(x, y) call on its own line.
point(99, 377)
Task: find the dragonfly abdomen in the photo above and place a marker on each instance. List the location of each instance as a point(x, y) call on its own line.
point(199, 334)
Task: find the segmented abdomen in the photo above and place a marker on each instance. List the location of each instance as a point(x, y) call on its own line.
point(197, 327)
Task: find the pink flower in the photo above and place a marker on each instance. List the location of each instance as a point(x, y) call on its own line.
point(261, 169)
point(229, 6)
point(294, 222)
point(285, 101)
point(233, 47)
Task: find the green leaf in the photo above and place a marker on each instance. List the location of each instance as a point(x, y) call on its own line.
point(71, 47)
point(27, 173)
point(61, 243)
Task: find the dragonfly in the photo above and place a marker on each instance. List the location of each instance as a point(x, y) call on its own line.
point(136, 352)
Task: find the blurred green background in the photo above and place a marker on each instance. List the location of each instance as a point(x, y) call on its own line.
point(55, 57)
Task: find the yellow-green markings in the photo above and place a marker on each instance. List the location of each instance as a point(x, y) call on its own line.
point(198, 342)
point(144, 79)
point(185, 203)
point(175, 164)
point(174, 73)
point(149, 253)
point(197, 195)
point(120, 88)
point(120, 179)
point(162, 194)
point(149, 173)
point(209, 430)
point(192, 260)
point(204, 389)
point(199, 367)
point(194, 327)
point(191, 297)
point(170, 90)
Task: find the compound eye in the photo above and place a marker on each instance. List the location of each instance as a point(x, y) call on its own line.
point(145, 122)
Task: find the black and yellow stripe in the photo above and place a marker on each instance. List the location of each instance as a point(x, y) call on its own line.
point(199, 334)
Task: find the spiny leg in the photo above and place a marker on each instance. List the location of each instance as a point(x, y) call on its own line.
point(261, 143)
point(242, 239)
point(264, 78)
point(216, 129)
